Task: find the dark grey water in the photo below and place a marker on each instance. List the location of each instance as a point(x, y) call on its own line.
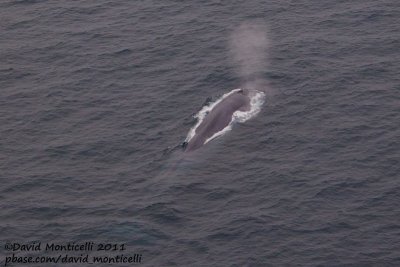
point(92, 94)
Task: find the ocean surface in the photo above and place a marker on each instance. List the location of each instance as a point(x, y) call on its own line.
point(96, 95)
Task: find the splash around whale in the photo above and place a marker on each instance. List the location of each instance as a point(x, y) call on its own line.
point(216, 119)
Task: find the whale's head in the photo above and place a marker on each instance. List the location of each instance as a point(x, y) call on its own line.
point(243, 91)
point(250, 93)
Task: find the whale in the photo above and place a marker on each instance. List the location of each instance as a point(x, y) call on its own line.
point(219, 117)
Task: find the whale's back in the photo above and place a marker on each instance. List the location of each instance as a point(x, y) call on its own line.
point(218, 118)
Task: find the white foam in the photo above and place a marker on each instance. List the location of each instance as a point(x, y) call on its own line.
point(256, 102)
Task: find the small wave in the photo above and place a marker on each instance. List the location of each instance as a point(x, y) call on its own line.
point(256, 102)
